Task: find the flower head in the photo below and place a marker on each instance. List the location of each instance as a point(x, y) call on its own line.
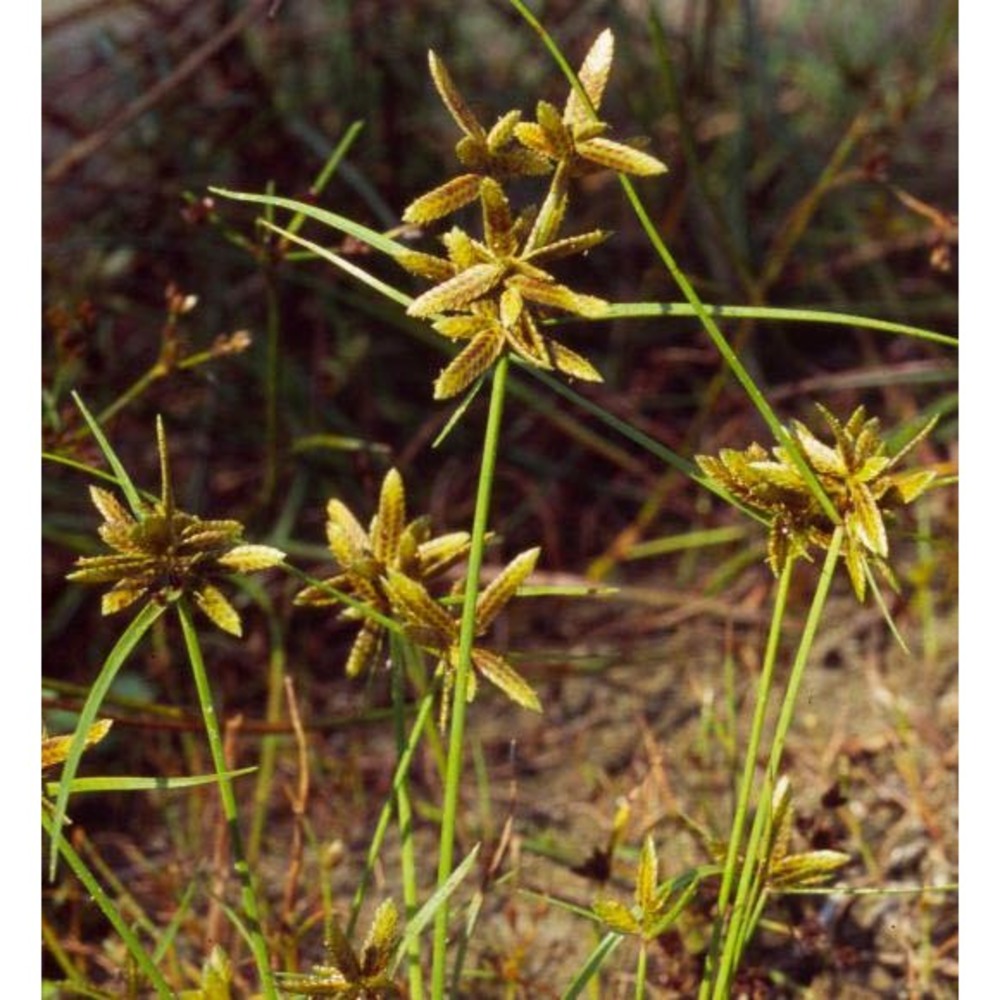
point(646, 917)
point(493, 154)
point(348, 975)
point(162, 552)
point(432, 627)
point(576, 137)
point(365, 558)
point(495, 286)
point(857, 474)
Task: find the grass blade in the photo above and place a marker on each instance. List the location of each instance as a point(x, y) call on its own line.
point(116, 658)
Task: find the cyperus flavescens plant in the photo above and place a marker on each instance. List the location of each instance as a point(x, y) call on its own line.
point(165, 556)
point(493, 292)
point(656, 908)
point(365, 558)
point(856, 472)
point(862, 481)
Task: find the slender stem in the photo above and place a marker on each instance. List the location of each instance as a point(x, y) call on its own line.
point(378, 837)
point(107, 906)
point(456, 736)
point(749, 767)
point(822, 316)
point(404, 812)
point(640, 972)
point(740, 922)
point(248, 894)
point(271, 388)
point(269, 743)
point(51, 944)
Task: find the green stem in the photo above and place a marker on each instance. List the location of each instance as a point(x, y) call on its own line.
point(456, 736)
point(271, 379)
point(404, 812)
point(740, 923)
point(269, 743)
point(749, 767)
point(402, 769)
point(106, 905)
point(640, 972)
point(248, 894)
point(634, 310)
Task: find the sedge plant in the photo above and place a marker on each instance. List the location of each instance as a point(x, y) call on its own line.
point(494, 290)
point(165, 558)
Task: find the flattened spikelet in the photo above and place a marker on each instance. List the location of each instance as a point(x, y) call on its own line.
point(502, 675)
point(593, 76)
point(470, 363)
point(464, 288)
point(449, 197)
point(503, 588)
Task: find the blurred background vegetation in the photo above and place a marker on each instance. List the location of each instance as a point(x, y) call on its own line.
point(812, 147)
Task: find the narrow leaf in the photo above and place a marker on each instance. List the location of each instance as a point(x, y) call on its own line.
point(95, 697)
point(127, 487)
point(425, 914)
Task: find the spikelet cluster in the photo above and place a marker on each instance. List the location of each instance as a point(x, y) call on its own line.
point(493, 292)
point(161, 552)
point(858, 475)
point(390, 569)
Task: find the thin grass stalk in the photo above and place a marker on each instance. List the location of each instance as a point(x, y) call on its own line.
point(382, 826)
point(51, 944)
point(466, 635)
point(749, 767)
point(107, 906)
point(781, 315)
point(269, 743)
point(248, 894)
point(740, 924)
point(416, 672)
point(271, 376)
point(126, 902)
point(404, 812)
point(329, 168)
point(593, 964)
point(640, 972)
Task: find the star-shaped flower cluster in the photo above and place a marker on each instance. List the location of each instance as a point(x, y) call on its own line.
point(352, 976)
point(857, 474)
point(366, 558)
point(493, 292)
point(431, 626)
point(161, 553)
